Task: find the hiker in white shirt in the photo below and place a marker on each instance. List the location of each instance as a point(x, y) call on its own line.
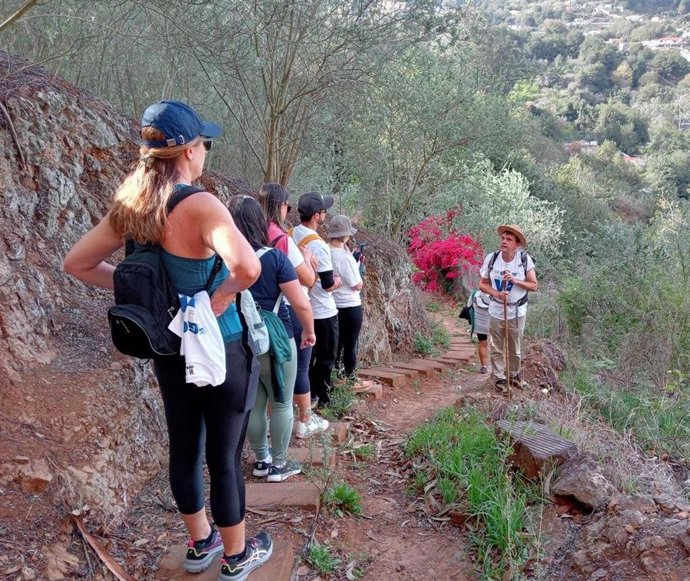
point(348, 297)
point(507, 275)
point(312, 208)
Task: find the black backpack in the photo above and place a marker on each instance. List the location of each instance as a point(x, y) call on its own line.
point(145, 299)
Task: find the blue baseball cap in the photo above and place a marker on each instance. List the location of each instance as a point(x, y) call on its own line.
point(179, 122)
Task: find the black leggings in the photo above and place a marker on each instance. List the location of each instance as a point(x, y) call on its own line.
point(349, 326)
point(323, 358)
point(214, 418)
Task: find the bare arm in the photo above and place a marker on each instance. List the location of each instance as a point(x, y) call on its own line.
point(86, 259)
point(306, 274)
point(302, 308)
point(485, 286)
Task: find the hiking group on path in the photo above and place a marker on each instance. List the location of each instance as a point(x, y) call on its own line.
point(239, 361)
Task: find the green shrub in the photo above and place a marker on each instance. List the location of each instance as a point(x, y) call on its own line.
point(423, 345)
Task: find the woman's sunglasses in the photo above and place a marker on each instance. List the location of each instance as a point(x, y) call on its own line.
point(207, 145)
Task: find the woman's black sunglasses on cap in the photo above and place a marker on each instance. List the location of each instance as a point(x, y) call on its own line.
point(207, 145)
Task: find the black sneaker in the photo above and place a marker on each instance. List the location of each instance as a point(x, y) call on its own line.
point(261, 468)
point(280, 473)
point(501, 385)
point(518, 382)
point(200, 554)
point(258, 551)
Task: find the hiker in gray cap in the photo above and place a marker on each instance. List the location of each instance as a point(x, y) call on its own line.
point(348, 297)
point(312, 208)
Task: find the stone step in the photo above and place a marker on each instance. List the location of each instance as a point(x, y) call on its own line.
point(411, 373)
point(308, 454)
point(386, 377)
point(280, 495)
point(447, 362)
point(462, 356)
point(375, 389)
point(311, 455)
point(429, 362)
point(278, 568)
point(422, 368)
point(338, 432)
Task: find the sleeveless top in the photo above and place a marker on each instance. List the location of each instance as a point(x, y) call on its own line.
point(190, 275)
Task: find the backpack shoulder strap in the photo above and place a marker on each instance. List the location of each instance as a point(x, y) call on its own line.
point(278, 239)
point(261, 251)
point(307, 239)
point(523, 259)
point(493, 260)
point(181, 194)
point(217, 265)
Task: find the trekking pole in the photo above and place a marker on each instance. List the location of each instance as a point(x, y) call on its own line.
point(506, 345)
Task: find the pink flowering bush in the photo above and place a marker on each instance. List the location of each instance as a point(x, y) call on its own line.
point(441, 253)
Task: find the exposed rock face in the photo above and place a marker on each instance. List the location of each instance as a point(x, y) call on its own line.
point(635, 538)
point(70, 401)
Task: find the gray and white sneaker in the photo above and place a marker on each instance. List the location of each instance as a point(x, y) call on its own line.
point(261, 467)
point(258, 551)
point(280, 473)
point(315, 425)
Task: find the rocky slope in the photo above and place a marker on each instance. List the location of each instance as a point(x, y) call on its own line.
point(81, 424)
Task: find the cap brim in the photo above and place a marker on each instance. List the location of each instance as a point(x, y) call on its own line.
point(211, 130)
point(327, 202)
point(354, 231)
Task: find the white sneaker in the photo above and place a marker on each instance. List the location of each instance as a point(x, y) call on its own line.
point(315, 425)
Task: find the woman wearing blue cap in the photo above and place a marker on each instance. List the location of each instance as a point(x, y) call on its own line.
point(175, 140)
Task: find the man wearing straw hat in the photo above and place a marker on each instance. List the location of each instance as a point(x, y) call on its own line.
point(507, 275)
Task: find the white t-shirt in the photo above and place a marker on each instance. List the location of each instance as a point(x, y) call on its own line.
point(346, 267)
point(202, 343)
point(295, 257)
point(496, 279)
point(322, 302)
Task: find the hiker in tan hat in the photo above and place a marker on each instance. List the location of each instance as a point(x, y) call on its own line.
point(507, 275)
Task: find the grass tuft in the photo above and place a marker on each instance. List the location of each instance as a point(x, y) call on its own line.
point(343, 499)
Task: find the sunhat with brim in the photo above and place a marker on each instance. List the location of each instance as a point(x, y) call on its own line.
point(515, 230)
point(178, 122)
point(340, 225)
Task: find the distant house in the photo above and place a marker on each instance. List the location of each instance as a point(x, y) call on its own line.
point(664, 42)
point(581, 146)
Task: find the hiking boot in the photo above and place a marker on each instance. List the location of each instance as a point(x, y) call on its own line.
point(200, 554)
point(518, 382)
point(314, 402)
point(483, 370)
point(257, 551)
point(315, 425)
point(501, 385)
point(280, 473)
point(261, 467)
